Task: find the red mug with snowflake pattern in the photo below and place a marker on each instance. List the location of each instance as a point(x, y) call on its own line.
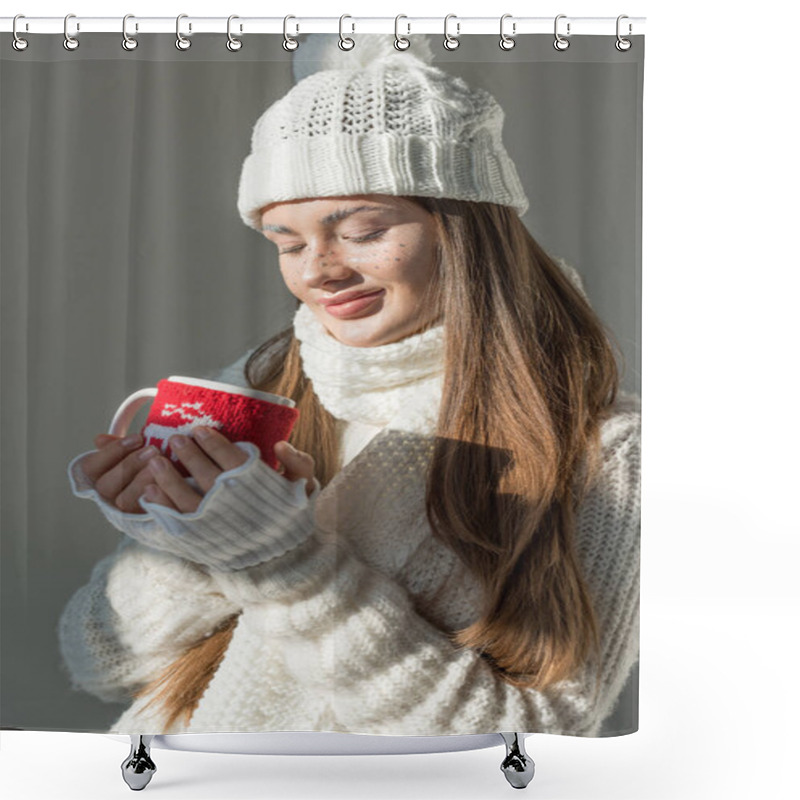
point(239, 413)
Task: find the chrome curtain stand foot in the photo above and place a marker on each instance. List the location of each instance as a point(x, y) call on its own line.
point(138, 767)
point(517, 766)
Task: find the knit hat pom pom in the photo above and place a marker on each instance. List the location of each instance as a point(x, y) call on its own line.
point(321, 51)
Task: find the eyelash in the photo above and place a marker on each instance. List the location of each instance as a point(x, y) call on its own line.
point(361, 240)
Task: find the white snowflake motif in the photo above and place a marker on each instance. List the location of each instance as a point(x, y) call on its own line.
point(192, 415)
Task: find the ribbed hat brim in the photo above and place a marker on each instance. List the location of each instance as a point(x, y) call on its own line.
point(328, 166)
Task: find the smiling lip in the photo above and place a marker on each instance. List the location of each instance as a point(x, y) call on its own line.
point(346, 297)
point(354, 305)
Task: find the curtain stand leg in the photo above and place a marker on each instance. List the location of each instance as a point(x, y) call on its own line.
point(517, 766)
point(138, 767)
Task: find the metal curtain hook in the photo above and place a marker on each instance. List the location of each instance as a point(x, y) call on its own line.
point(623, 44)
point(70, 43)
point(560, 43)
point(128, 42)
point(182, 43)
point(288, 42)
point(233, 44)
point(506, 41)
point(401, 42)
point(18, 43)
point(345, 42)
point(451, 42)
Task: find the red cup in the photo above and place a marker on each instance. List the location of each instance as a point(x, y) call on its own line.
point(180, 404)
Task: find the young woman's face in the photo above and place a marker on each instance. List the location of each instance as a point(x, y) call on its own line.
point(379, 245)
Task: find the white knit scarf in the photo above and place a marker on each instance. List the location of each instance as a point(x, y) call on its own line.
point(398, 384)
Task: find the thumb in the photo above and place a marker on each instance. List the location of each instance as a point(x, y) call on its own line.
point(296, 464)
point(102, 439)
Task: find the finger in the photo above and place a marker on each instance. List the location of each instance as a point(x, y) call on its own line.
point(105, 458)
point(153, 494)
point(219, 448)
point(197, 463)
point(103, 439)
point(297, 464)
point(112, 483)
point(128, 498)
point(174, 485)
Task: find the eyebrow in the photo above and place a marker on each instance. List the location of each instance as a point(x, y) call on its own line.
point(336, 216)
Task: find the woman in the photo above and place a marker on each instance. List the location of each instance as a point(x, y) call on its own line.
point(461, 551)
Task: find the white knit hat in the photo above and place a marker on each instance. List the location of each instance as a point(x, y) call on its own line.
point(374, 120)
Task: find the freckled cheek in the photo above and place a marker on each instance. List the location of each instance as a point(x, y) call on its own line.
point(389, 264)
point(293, 282)
point(385, 269)
point(414, 273)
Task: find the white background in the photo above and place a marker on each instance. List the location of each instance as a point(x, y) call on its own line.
point(719, 712)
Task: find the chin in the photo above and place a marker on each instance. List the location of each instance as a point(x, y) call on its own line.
point(371, 330)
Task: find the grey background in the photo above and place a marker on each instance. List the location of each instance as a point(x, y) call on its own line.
point(124, 260)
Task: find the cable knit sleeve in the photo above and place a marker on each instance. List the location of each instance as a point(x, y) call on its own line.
point(250, 514)
point(139, 610)
point(353, 634)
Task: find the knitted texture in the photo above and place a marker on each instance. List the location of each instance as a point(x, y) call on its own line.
point(269, 512)
point(180, 407)
point(377, 121)
point(349, 629)
point(372, 384)
point(107, 654)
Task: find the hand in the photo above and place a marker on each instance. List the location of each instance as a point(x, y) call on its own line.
point(117, 470)
point(205, 460)
point(295, 464)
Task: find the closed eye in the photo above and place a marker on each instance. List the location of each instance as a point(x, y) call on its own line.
point(370, 237)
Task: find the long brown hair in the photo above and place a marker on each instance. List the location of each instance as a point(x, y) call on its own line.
point(530, 374)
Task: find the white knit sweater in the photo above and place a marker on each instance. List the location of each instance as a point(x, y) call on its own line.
point(346, 598)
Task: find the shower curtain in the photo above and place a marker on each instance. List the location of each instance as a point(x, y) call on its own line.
point(420, 567)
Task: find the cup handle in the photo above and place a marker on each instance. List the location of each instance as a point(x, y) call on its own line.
point(127, 411)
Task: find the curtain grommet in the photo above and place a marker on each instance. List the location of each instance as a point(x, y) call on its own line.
point(128, 42)
point(233, 44)
point(70, 42)
point(18, 43)
point(182, 43)
point(289, 43)
point(622, 44)
point(507, 42)
point(401, 42)
point(451, 42)
point(346, 43)
point(560, 43)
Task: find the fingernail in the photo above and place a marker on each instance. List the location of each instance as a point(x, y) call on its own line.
point(292, 447)
point(129, 441)
point(158, 465)
point(201, 433)
point(177, 441)
point(150, 492)
point(148, 452)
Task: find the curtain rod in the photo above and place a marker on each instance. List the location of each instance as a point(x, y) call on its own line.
point(407, 26)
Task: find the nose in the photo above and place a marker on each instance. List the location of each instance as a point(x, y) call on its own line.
point(324, 265)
